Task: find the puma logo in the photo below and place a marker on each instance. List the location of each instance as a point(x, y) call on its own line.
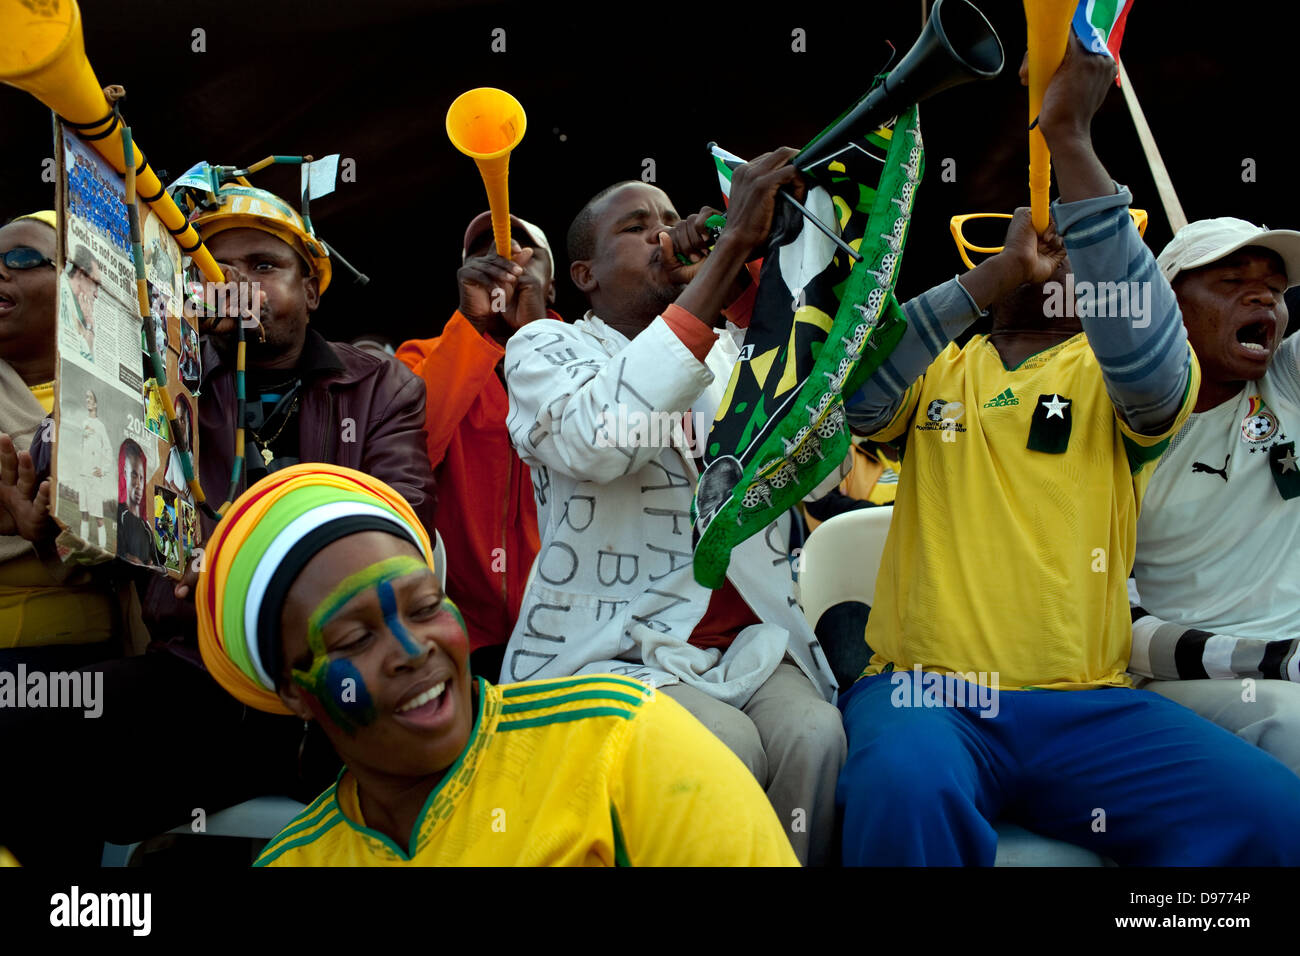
point(1221, 472)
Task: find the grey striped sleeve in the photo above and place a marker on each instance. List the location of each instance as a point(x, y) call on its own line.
point(1168, 651)
point(1127, 310)
point(934, 318)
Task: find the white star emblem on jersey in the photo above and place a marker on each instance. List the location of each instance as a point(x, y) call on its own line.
point(1288, 462)
point(1056, 407)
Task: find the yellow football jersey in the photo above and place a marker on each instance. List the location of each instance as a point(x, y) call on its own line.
point(1015, 521)
point(593, 770)
point(45, 395)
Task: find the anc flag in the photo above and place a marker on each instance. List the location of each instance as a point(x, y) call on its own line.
point(824, 319)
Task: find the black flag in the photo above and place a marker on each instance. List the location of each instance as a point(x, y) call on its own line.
point(1049, 431)
point(1286, 475)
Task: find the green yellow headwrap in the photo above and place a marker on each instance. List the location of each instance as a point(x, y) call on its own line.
point(260, 547)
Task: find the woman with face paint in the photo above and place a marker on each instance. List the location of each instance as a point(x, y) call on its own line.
point(320, 598)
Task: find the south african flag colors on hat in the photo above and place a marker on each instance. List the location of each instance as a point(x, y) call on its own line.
point(262, 544)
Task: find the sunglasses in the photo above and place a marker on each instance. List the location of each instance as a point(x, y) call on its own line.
point(24, 257)
point(965, 246)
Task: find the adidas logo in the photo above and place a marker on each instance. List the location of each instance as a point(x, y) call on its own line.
point(998, 401)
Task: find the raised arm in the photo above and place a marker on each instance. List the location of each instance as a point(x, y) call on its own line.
point(574, 407)
point(937, 316)
point(1134, 326)
point(455, 367)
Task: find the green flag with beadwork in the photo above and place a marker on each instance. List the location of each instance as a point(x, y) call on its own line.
point(824, 320)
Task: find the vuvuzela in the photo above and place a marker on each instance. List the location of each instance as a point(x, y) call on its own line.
point(1049, 31)
point(45, 56)
point(486, 124)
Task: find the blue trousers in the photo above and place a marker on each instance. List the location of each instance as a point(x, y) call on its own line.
point(1125, 773)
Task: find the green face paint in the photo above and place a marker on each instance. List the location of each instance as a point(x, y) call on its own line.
point(336, 683)
point(450, 605)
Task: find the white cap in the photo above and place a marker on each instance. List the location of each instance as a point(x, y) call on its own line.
point(483, 222)
point(1209, 240)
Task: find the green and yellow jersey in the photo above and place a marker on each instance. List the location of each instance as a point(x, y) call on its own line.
point(595, 770)
point(1019, 482)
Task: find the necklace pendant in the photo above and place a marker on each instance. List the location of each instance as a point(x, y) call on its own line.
point(267, 456)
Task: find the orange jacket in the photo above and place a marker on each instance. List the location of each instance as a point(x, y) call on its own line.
point(486, 513)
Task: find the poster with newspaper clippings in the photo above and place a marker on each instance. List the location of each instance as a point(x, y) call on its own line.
point(120, 489)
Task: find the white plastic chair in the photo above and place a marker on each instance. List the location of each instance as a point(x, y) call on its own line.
point(258, 819)
point(841, 560)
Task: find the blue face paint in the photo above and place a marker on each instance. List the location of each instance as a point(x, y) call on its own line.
point(388, 605)
point(346, 690)
point(336, 682)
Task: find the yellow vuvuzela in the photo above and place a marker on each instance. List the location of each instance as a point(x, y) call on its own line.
point(45, 55)
point(1049, 31)
point(486, 124)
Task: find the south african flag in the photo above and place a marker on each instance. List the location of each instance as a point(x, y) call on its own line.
point(1100, 25)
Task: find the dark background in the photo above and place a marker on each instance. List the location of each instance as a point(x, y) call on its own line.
point(606, 86)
